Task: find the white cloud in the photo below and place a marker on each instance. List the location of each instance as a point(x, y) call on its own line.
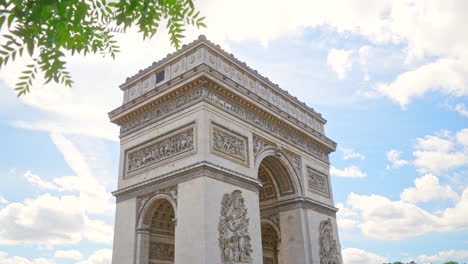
point(365, 54)
point(349, 172)
point(445, 256)
point(427, 188)
point(448, 76)
point(50, 220)
point(461, 109)
point(394, 157)
point(462, 137)
point(3, 200)
point(380, 22)
point(93, 194)
point(441, 152)
point(381, 218)
point(340, 61)
point(68, 254)
point(37, 181)
point(359, 256)
point(351, 154)
point(102, 256)
point(346, 217)
point(5, 259)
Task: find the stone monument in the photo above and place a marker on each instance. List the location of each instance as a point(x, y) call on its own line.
point(220, 165)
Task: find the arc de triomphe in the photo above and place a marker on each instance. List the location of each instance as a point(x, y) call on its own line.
point(219, 165)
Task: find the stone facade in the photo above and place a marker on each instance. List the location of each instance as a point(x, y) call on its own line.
point(219, 165)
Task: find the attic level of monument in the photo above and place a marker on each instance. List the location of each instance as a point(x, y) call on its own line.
point(166, 84)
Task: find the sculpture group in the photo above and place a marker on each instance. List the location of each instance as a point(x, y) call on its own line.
point(234, 238)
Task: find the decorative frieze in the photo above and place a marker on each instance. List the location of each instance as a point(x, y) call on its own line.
point(260, 144)
point(160, 149)
point(329, 251)
point(234, 237)
point(161, 251)
point(318, 182)
point(229, 144)
point(162, 111)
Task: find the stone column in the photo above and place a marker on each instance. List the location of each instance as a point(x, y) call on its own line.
point(295, 244)
point(124, 232)
point(142, 246)
point(199, 205)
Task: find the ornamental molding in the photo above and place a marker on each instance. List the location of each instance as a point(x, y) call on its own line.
point(296, 162)
point(210, 92)
point(275, 219)
point(170, 192)
point(260, 144)
point(229, 144)
point(233, 227)
point(329, 251)
point(317, 182)
point(160, 149)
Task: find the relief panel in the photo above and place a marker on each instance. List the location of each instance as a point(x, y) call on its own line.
point(233, 227)
point(161, 251)
point(229, 144)
point(165, 148)
point(318, 182)
point(329, 252)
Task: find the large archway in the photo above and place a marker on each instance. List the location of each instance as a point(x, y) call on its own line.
point(156, 232)
point(162, 231)
point(270, 243)
point(277, 185)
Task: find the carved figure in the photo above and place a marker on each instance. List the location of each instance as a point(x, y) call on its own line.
point(329, 253)
point(234, 238)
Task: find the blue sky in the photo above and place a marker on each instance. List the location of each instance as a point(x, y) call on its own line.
point(389, 76)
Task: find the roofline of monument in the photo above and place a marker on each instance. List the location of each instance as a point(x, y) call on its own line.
point(202, 40)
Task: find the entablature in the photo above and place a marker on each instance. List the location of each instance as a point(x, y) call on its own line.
point(207, 89)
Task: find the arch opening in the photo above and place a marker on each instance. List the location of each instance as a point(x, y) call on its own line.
point(277, 185)
point(161, 233)
point(270, 244)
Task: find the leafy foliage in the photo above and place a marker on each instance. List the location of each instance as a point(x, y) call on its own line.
point(46, 29)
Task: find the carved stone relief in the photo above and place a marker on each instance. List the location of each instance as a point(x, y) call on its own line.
point(229, 144)
point(259, 144)
point(160, 149)
point(161, 251)
point(317, 182)
point(329, 252)
point(234, 237)
point(275, 218)
point(296, 162)
point(170, 191)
